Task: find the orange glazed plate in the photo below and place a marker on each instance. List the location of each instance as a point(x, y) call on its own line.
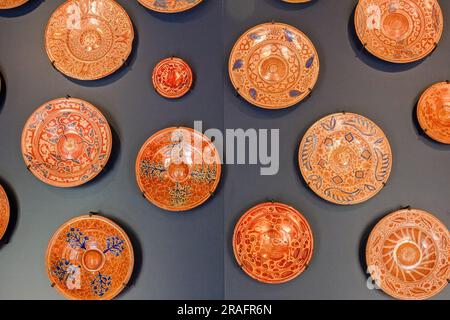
point(274, 66)
point(4, 212)
point(345, 158)
point(66, 142)
point(433, 112)
point(273, 243)
point(9, 4)
point(89, 258)
point(178, 169)
point(399, 31)
point(172, 78)
point(408, 255)
point(169, 6)
point(89, 39)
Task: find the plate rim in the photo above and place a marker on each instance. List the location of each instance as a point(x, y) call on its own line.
point(7, 211)
point(171, 11)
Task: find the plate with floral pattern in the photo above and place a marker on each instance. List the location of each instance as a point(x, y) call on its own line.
point(89, 258)
point(274, 66)
point(66, 142)
point(4, 212)
point(408, 255)
point(273, 243)
point(345, 158)
point(399, 31)
point(172, 78)
point(433, 112)
point(178, 169)
point(169, 6)
point(89, 39)
point(10, 4)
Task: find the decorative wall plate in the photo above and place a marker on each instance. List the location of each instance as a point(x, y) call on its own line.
point(178, 169)
point(433, 112)
point(399, 31)
point(4, 212)
point(66, 142)
point(408, 255)
point(9, 4)
point(296, 1)
point(274, 66)
point(89, 258)
point(273, 243)
point(89, 39)
point(169, 6)
point(345, 158)
point(172, 78)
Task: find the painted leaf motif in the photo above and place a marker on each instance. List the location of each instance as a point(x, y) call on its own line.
point(362, 125)
point(308, 149)
point(316, 181)
point(310, 62)
point(290, 36)
point(238, 64)
point(329, 126)
point(253, 93)
point(295, 93)
point(382, 166)
point(340, 195)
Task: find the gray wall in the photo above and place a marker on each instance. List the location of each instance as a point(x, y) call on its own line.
point(189, 256)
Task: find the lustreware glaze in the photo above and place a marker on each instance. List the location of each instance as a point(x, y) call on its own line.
point(274, 66)
point(433, 112)
point(273, 243)
point(66, 142)
point(4, 212)
point(169, 6)
point(89, 258)
point(399, 31)
point(408, 254)
point(89, 39)
point(345, 158)
point(9, 4)
point(178, 169)
point(172, 78)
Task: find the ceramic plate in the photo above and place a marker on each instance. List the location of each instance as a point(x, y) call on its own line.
point(172, 78)
point(178, 169)
point(4, 212)
point(273, 243)
point(89, 258)
point(433, 112)
point(274, 66)
point(345, 158)
point(89, 39)
point(66, 142)
point(169, 6)
point(399, 31)
point(408, 254)
point(9, 4)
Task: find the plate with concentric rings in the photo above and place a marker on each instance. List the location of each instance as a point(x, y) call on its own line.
point(170, 6)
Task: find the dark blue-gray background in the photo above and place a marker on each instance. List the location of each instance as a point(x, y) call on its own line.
point(189, 256)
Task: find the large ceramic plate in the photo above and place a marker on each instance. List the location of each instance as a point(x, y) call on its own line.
point(399, 31)
point(172, 78)
point(433, 112)
point(274, 66)
point(89, 258)
point(4, 212)
point(66, 142)
point(9, 4)
point(345, 158)
point(273, 243)
point(178, 169)
point(89, 39)
point(169, 6)
point(408, 254)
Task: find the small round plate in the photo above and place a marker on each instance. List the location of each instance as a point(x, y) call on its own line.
point(172, 78)
point(433, 112)
point(178, 169)
point(4, 212)
point(408, 255)
point(10, 4)
point(345, 158)
point(273, 243)
point(169, 6)
point(89, 40)
point(274, 66)
point(66, 142)
point(399, 31)
point(89, 258)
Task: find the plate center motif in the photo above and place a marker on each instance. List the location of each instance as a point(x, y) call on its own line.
point(273, 69)
point(70, 146)
point(93, 260)
point(397, 26)
point(408, 255)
